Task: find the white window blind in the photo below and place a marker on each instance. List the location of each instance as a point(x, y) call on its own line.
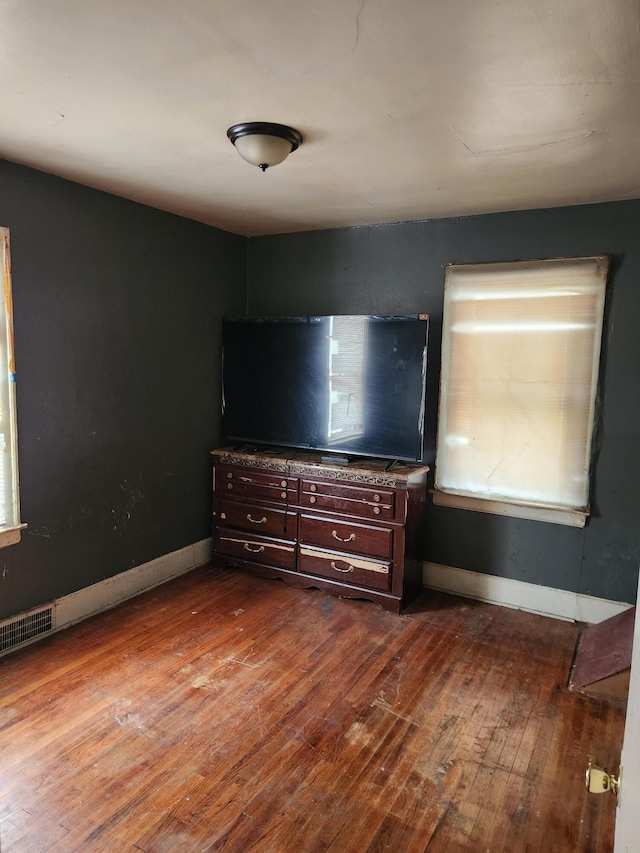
point(9, 497)
point(520, 355)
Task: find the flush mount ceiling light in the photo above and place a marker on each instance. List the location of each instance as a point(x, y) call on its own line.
point(263, 143)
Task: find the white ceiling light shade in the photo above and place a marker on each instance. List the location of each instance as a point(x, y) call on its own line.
point(263, 143)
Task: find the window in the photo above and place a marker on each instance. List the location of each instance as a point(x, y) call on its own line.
point(520, 355)
point(9, 499)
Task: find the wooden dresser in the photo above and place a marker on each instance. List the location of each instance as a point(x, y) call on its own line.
point(354, 531)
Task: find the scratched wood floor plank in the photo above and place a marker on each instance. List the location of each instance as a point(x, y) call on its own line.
point(232, 713)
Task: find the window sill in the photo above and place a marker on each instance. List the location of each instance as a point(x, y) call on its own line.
point(551, 514)
point(11, 535)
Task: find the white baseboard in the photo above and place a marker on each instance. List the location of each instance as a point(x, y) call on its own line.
point(519, 595)
point(111, 591)
point(544, 600)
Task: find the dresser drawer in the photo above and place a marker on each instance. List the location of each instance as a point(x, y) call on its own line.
point(352, 537)
point(258, 549)
point(345, 567)
point(346, 492)
point(259, 519)
point(349, 500)
point(259, 485)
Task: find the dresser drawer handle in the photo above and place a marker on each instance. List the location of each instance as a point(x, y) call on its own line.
point(262, 520)
point(350, 537)
point(335, 566)
point(313, 487)
point(377, 510)
point(376, 498)
point(253, 550)
point(283, 483)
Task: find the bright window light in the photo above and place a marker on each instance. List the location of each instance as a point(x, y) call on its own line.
point(520, 356)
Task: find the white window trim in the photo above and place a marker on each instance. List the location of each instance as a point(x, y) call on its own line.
point(574, 516)
point(10, 534)
point(554, 514)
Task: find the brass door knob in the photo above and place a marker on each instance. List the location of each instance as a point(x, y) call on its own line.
point(598, 781)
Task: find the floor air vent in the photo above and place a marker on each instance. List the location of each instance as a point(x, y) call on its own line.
point(24, 628)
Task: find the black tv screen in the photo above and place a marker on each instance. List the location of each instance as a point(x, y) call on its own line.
point(347, 385)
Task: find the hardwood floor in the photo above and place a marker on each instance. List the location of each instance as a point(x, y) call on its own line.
point(226, 712)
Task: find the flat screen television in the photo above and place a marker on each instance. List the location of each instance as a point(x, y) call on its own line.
point(346, 385)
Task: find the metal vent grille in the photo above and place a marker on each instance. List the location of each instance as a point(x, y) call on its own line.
point(25, 628)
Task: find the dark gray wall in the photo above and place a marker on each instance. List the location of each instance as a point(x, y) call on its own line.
point(395, 269)
point(117, 319)
point(117, 322)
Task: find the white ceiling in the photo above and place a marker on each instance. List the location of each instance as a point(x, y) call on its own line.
point(410, 109)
